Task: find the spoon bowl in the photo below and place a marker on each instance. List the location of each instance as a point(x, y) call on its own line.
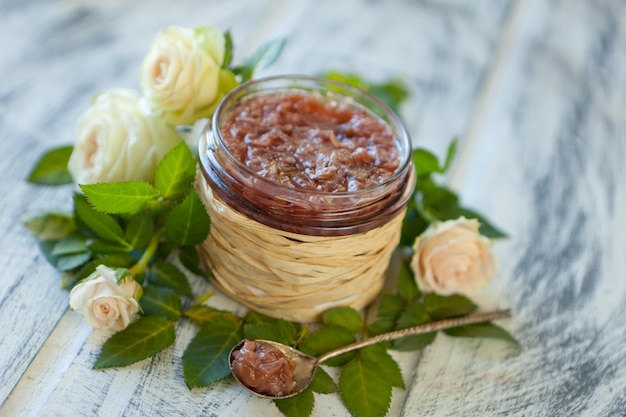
point(304, 366)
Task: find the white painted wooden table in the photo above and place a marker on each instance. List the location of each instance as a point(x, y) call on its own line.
point(536, 92)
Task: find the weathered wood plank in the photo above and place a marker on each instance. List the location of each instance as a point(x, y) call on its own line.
point(548, 162)
point(442, 50)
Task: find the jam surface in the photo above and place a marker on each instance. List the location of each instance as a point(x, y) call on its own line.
point(263, 368)
point(305, 142)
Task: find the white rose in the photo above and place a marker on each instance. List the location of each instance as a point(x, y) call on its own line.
point(181, 76)
point(118, 139)
point(105, 303)
point(453, 257)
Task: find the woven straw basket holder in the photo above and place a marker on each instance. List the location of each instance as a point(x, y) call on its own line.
point(293, 276)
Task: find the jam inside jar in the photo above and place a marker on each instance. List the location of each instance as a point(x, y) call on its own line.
point(308, 155)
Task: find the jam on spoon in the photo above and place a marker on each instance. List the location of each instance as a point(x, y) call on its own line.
point(274, 370)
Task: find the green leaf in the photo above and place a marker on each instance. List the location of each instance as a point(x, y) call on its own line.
point(105, 248)
point(486, 227)
point(425, 162)
point(140, 340)
point(71, 244)
point(260, 326)
point(390, 306)
point(51, 169)
point(363, 391)
point(443, 307)
point(165, 274)
point(260, 59)
point(48, 225)
point(344, 317)
point(73, 261)
point(489, 330)
point(299, 406)
point(203, 315)
point(393, 93)
point(206, 358)
point(450, 154)
point(351, 78)
point(176, 172)
point(162, 302)
point(114, 260)
point(327, 339)
point(46, 247)
point(228, 49)
point(189, 257)
point(103, 225)
point(120, 197)
point(139, 231)
point(189, 223)
point(322, 382)
point(414, 315)
point(390, 370)
point(407, 288)
point(413, 225)
point(381, 326)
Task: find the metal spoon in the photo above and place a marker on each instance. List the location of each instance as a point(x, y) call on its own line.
point(306, 365)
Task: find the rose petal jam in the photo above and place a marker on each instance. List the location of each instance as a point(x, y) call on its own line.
point(263, 368)
point(305, 142)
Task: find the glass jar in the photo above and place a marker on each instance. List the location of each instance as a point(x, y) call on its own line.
point(300, 216)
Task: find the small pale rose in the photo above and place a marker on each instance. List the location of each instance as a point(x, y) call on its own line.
point(453, 257)
point(181, 75)
point(105, 303)
point(118, 139)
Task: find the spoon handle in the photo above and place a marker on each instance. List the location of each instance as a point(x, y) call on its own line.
point(424, 328)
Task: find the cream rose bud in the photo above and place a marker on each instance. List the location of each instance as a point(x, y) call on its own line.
point(118, 139)
point(180, 76)
point(453, 257)
point(104, 302)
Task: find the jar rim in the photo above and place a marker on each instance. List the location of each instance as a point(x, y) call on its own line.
point(400, 133)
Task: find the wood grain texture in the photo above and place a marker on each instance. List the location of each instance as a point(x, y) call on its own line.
point(535, 89)
point(548, 162)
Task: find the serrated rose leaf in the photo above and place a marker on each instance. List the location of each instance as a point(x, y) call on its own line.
point(69, 262)
point(103, 225)
point(344, 317)
point(48, 225)
point(121, 260)
point(102, 247)
point(363, 391)
point(203, 315)
point(489, 330)
point(327, 339)
point(176, 172)
point(299, 406)
point(390, 306)
point(51, 169)
point(140, 340)
point(414, 315)
point(322, 382)
point(69, 245)
point(443, 307)
point(407, 287)
point(139, 231)
point(390, 370)
point(189, 223)
point(261, 58)
point(206, 358)
point(189, 257)
point(425, 162)
point(162, 302)
point(166, 274)
point(120, 197)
